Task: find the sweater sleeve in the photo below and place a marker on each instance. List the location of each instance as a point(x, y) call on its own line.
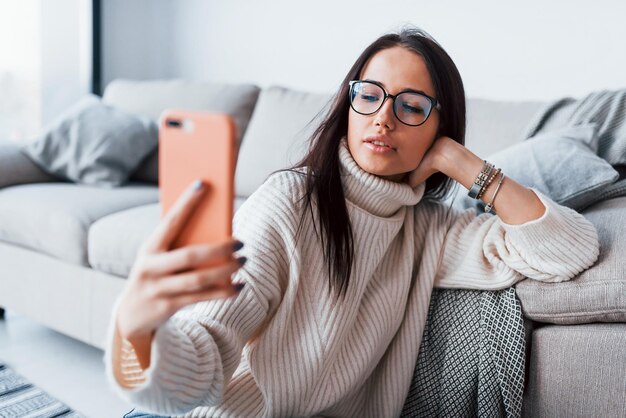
point(195, 352)
point(483, 252)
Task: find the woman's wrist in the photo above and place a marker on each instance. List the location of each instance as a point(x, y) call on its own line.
point(459, 163)
point(141, 344)
point(515, 203)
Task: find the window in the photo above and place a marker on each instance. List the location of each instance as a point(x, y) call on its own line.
point(46, 50)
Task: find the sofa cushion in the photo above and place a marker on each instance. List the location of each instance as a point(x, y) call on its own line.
point(493, 125)
point(598, 294)
point(114, 240)
point(282, 122)
point(151, 98)
point(94, 143)
point(577, 371)
point(54, 218)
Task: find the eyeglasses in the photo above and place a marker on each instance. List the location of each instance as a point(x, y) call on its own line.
point(410, 107)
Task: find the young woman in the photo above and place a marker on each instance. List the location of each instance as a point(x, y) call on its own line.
point(341, 255)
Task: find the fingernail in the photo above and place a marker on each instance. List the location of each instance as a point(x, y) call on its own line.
point(239, 286)
point(197, 185)
point(238, 245)
point(242, 260)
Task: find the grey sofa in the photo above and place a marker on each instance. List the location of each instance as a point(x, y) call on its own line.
point(66, 249)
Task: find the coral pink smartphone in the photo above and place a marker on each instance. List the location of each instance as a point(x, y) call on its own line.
point(198, 145)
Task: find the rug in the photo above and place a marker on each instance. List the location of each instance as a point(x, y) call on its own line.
point(21, 399)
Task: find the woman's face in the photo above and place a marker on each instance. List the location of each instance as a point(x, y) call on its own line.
point(396, 69)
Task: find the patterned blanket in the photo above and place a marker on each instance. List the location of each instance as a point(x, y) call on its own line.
point(472, 360)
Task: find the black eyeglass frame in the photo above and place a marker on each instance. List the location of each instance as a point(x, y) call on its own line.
point(434, 102)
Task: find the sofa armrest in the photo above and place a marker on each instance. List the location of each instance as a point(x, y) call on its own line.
point(17, 168)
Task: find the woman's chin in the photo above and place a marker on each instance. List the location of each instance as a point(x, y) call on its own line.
point(397, 178)
point(390, 175)
point(380, 170)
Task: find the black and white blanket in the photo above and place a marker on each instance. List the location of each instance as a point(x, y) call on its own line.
point(471, 361)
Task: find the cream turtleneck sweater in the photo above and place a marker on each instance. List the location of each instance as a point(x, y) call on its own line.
point(284, 347)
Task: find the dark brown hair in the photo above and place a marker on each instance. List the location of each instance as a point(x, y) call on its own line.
point(321, 164)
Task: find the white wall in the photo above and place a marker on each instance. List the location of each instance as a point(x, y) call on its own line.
point(522, 51)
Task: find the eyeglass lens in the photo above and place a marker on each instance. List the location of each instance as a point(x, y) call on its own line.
point(410, 108)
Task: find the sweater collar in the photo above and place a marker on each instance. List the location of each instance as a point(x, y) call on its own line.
point(374, 194)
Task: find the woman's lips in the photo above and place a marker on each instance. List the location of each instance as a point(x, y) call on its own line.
point(379, 149)
point(379, 144)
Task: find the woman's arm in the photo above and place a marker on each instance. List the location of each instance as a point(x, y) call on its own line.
point(515, 204)
point(531, 236)
point(191, 357)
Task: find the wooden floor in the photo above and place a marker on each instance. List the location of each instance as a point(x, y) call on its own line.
point(67, 369)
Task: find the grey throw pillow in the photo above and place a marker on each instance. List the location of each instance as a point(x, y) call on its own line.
point(560, 163)
point(93, 143)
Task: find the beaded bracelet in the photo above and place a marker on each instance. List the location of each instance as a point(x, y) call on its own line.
point(488, 182)
point(490, 204)
point(482, 177)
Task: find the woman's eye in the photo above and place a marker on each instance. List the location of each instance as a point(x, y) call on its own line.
point(412, 109)
point(369, 97)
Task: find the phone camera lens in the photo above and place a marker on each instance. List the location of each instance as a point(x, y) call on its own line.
point(173, 123)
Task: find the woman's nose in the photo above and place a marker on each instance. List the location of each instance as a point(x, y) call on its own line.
point(384, 116)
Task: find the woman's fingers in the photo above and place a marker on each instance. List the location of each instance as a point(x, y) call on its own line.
point(172, 223)
point(163, 280)
point(212, 278)
point(148, 301)
point(187, 258)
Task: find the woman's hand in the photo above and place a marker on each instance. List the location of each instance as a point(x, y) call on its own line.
point(431, 161)
point(516, 204)
point(161, 281)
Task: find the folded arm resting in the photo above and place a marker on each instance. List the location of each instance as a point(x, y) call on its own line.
point(483, 252)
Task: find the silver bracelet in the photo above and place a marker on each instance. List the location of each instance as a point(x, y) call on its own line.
point(490, 204)
point(480, 180)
